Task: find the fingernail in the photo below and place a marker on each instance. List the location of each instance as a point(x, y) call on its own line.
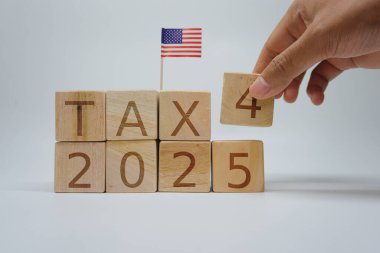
point(259, 87)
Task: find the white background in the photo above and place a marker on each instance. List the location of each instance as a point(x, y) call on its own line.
point(321, 163)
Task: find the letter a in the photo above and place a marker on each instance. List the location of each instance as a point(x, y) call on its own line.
point(124, 123)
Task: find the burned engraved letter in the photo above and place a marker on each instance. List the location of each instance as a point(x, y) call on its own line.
point(79, 105)
point(124, 123)
point(185, 118)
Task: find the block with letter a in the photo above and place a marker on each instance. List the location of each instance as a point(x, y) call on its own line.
point(80, 116)
point(132, 115)
point(185, 115)
point(239, 108)
point(238, 166)
point(79, 167)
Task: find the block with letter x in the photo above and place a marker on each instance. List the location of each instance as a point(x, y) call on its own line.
point(239, 108)
point(185, 115)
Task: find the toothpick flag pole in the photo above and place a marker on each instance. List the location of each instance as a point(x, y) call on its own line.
point(162, 74)
point(179, 42)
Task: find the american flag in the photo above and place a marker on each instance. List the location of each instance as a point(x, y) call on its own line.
point(181, 42)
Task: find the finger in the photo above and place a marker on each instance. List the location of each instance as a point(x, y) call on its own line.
point(291, 92)
point(369, 61)
point(322, 74)
point(288, 30)
point(279, 95)
point(293, 61)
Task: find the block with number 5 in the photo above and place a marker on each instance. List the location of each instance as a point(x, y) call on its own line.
point(239, 108)
point(238, 166)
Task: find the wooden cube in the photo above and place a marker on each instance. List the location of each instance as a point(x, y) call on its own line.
point(184, 166)
point(80, 167)
point(132, 115)
point(80, 116)
point(239, 108)
point(237, 166)
point(185, 115)
point(131, 166)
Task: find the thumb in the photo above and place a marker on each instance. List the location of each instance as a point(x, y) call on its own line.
point(286, 66)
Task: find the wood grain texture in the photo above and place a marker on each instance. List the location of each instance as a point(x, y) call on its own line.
point(235, 97)
point(185, 115)
point(75, 158)
point(80, 116)
point(230, 159)
point(184, 166)
point(131, 166)
point(132, 115)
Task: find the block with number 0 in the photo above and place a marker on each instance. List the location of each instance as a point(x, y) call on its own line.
point(239, 108)
point(238, 166)
point(131, 166)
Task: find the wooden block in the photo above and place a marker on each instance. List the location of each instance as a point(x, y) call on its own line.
point(184, 166)
point(80, 116)
point(80, 166)
point(131, 166)
point(239, 108)
point(185, 115)
point(237, 166)
point(132, 115)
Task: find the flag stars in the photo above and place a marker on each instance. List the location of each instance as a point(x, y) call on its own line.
point(171, 36)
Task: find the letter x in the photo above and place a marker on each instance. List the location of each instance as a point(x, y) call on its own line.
point(185, 118)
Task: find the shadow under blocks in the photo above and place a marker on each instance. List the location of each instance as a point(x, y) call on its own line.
point(145, 140)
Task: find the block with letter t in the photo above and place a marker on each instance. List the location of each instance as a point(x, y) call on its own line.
point(80, 116)
point(239, 108)
point(185, 115)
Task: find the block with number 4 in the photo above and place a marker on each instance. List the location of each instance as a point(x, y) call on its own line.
point(237, 166)
point(239, 108)
point(184, 166)
point(80, 167)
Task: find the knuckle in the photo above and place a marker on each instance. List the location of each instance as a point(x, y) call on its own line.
point(301, 13)
point(281, 63)
point(325, 40)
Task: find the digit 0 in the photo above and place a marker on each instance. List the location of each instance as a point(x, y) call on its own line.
point(123, 168)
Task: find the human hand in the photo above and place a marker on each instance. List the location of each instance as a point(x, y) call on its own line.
point(336, 34)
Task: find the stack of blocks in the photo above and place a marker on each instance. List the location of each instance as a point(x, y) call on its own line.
point(144, 140)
